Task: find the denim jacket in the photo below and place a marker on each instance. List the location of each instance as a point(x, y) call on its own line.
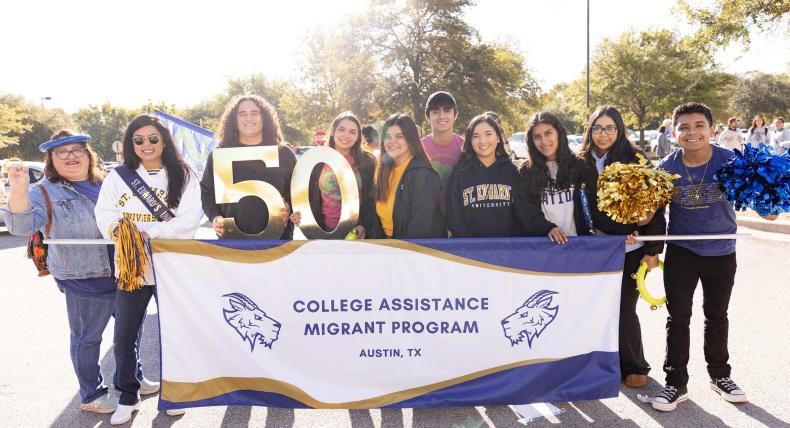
point(72, 218)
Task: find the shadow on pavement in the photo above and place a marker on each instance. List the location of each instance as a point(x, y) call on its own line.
point(236, 416)
point(688, 413)
point(72, 416)
point(759, 414)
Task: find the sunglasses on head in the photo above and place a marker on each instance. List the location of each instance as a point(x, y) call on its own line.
point(139, 139)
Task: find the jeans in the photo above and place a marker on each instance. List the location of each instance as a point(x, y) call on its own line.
point(683, 269)
point(632, 356)
point(88, 317)
point(129, 317)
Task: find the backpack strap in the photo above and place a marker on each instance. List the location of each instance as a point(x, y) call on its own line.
point(48, 203)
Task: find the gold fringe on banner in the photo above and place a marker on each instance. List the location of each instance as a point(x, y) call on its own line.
point(130, 255)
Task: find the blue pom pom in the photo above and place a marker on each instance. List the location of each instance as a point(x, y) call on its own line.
point(757, 179)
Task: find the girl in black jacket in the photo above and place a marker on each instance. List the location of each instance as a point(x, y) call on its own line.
point(548, 200)
point(324, 191)
point(480, 189)
point(407, 186)
point(605, 142)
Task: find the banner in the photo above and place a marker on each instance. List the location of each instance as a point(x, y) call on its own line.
point(388, 323)
point(194, 142)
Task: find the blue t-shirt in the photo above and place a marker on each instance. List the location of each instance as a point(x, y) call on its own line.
point(698, 206)
point(93, 286)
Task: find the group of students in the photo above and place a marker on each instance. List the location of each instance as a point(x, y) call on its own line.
point(438, 186)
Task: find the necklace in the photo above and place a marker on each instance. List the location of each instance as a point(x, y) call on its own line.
point(696, 194)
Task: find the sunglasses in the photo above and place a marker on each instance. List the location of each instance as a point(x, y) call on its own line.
point(139, 139)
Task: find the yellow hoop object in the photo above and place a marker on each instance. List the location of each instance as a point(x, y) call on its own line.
point(639, 276)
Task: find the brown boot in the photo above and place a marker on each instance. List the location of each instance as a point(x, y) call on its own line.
point(635, 381)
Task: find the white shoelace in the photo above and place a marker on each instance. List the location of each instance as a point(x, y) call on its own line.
point(667, 392)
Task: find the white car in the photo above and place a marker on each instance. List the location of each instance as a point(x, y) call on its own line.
point(518, 145)
point(36, 172)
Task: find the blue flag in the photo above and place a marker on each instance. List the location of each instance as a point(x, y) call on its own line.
point(194, 142)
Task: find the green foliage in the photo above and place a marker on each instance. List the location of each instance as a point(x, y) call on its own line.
point(13, 111)
point(727, 21)
point(759, 93)
point(105, 124)
point(646, 75)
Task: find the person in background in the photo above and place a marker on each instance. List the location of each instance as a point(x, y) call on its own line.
point(371, 143)
point(664, 146)
point(731, 138)
point(442, 145)
point(758, 132)
point(780, 137)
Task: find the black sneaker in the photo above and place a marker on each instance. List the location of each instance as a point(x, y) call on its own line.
point(669, 397)
point(728, 390)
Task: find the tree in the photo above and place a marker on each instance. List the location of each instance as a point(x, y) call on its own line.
point(424, 46)
point(105, 124)
point(763, 94)
point(728, 21)
point(646, 75)
point(13, 111)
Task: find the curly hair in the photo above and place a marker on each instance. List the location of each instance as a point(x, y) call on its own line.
point(95, 171)
point(228, 134)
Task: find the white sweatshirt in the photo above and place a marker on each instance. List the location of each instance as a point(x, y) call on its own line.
point(116, 201)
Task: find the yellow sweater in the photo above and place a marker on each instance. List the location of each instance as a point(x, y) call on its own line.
point(384, 209)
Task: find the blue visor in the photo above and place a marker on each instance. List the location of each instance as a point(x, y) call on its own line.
point(62, 141)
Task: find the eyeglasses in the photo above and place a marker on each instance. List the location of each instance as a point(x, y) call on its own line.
point(609, 130)
point(139, 139)
point(65, 154)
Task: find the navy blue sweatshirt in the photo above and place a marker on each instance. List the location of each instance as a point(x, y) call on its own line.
point(479, 200)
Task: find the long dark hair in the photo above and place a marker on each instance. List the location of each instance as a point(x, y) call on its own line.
point(535, 171)
point(178, 172)
point(386, 162)
point(228, 134)
point(622, 150)
point(95, 171)
point(754, 123)
point(468, 153)
point(356, 149)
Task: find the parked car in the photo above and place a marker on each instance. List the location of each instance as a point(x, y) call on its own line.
point(36, 172)
point(575, 142)
point(518, 146)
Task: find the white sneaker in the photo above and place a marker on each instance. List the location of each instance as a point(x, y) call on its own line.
point(123, 413)
point(728, 390)
point(107, 403)
point(148, 387)
point(175, 412)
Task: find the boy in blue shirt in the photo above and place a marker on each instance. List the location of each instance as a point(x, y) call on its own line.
point(698, 207)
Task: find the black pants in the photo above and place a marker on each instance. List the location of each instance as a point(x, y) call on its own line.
point(632, 356)
point(682, 270)
point(130, 309)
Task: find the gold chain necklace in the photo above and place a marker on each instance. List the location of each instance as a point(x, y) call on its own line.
point(696, 195)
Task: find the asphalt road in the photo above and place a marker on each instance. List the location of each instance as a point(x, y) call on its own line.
point(38, 387)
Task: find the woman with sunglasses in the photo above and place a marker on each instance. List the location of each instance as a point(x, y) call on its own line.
point(548, 199)
point(605, 142)
point(83, 273)
point(407, 186)
point(325, 199)
point(480, 188)
point(149, 154)
point(249, 120)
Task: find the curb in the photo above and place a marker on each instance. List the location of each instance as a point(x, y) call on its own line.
point(776, 226)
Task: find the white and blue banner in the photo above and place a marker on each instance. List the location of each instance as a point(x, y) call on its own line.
point(194, 143)
point(388, 323)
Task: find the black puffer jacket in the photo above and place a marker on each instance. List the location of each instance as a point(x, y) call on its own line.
point(416, 212)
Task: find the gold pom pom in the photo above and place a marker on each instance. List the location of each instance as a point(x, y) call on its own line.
point(131, 256)
point(629, 193)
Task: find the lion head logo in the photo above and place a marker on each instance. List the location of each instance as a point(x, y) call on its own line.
point(250, 321)
point(531, 318)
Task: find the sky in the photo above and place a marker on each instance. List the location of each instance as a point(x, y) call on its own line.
point(83, 52)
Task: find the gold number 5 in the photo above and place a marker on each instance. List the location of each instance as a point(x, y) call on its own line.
point(228, 192)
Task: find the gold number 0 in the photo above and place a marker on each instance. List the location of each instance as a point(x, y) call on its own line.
point(349, 192)
point(228, 192)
